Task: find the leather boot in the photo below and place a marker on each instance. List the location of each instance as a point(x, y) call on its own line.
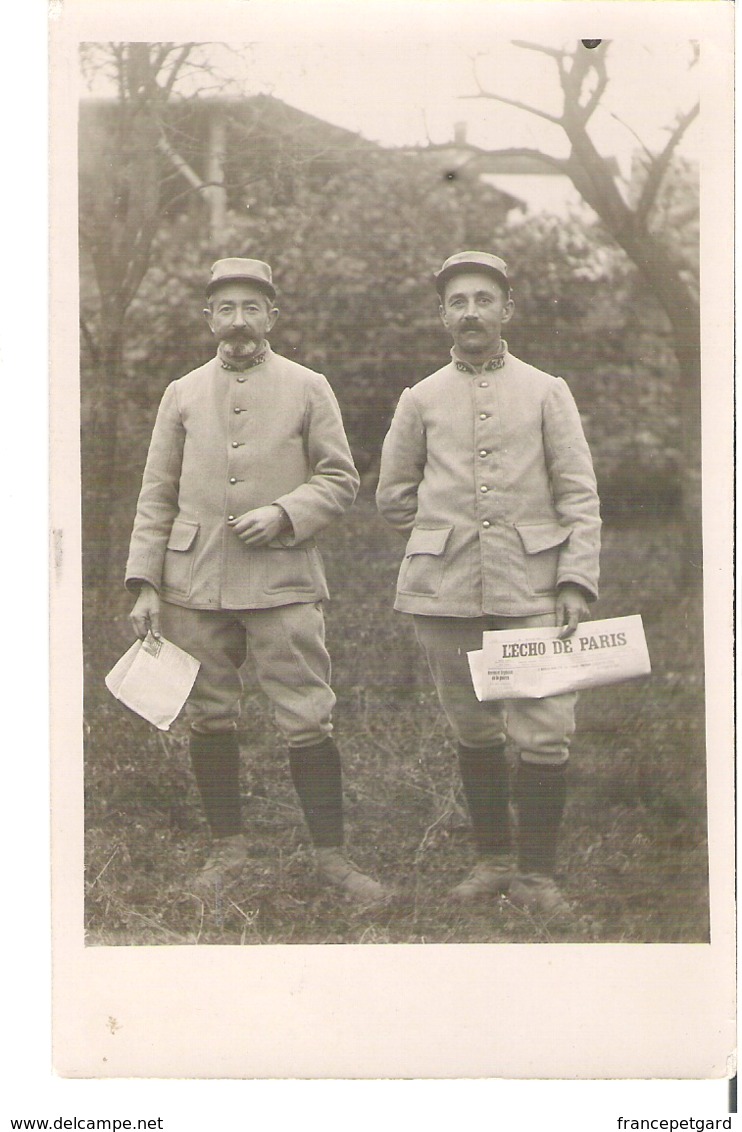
point(334, 867)
point(225, 865)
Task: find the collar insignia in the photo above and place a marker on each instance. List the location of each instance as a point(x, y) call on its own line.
point(250, 363)
point(491, 364)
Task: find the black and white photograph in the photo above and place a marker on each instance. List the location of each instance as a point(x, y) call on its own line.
point(397, 430)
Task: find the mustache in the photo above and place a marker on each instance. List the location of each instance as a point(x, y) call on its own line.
point(239, 345)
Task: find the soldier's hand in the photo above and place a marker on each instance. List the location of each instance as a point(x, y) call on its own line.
point(145, 616)
point(261, 525)
point(571, 608)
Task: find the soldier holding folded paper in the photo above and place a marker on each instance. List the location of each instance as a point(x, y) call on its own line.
point(248, 462)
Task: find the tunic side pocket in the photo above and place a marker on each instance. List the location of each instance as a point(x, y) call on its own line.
point(422, 570)
point(542, 543)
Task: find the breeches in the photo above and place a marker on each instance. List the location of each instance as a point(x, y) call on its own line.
point(541, 729)
point(287, 645)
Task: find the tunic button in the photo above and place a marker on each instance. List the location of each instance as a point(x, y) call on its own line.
point(483, 452)
point(483, 416)
point(484, 487)
point(241, 379)
point(484, 384)
point(486, 523)
point(232, 479)
point(238, 410)
point(230, 518)
point(235, 443)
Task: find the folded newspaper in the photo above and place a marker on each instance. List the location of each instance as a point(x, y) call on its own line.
point(528, 664)
point(154, 678)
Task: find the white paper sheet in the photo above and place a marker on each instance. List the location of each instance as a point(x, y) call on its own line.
point(154, 678)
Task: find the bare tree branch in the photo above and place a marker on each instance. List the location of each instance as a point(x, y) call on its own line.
point(179, 163)
point(573, 80)
point(234, 186)
point(555, 52)
point(516, 104)
point(661, 162)
point(630, 129)
point(175, 67)
point(600, 86)
point(119, 55)
point(89, 341)
point(161, 56)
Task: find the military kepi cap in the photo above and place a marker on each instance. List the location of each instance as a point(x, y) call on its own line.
point(237, 270)
point(472, 261)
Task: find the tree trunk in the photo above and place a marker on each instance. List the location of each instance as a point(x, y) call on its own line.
point(98, 447)
point(216, 194)
point(683, 313)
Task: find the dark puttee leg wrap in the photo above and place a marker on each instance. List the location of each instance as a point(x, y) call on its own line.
point(317, 777)
point(215, 759)
point(485, 777)
point(540, 794)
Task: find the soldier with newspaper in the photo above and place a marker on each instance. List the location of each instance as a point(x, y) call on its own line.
point(487, 473)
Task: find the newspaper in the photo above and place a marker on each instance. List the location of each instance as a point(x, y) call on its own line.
point(517, 664)
point(154, 678)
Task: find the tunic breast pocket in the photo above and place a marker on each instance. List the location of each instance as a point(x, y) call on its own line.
point(178, 566)
point(422, 570)
point(542, 543)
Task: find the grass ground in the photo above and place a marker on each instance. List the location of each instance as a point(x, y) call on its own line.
point(633, 855)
